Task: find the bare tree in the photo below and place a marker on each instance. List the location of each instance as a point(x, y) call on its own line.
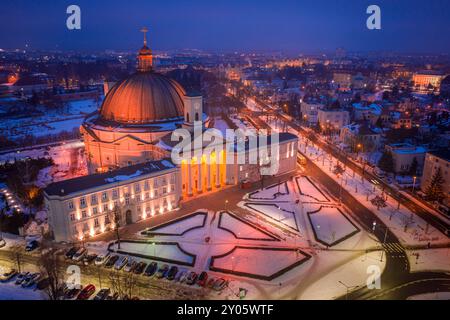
point(123, 285)
point(51, 267)
point(116, 217)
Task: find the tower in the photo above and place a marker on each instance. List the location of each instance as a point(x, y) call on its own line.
point(145, 56)
point(193, 109)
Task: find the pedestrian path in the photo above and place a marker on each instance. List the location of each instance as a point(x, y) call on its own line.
point(393, 247)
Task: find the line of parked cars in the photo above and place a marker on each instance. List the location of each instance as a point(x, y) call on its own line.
point(164, 271)
point(25, 279)
point(129, 264)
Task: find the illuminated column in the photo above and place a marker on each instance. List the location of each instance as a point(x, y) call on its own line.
point(217, 165)
point(189, 179)
point(208, 174)
point(200, 177)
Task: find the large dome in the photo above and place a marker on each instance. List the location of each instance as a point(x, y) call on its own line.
point(144, 97)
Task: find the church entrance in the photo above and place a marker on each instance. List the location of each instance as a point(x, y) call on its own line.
point(128, 218)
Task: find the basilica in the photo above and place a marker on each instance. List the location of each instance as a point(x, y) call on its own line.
point(128, 147)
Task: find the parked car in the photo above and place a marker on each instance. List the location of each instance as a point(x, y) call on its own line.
point(111, 261)
point(219, 284)
point(7, 275)
point(2, 243)
point(21, 277)
point(79, 254)
point(31, 280)
point(113, 296)
point(183, 276)
point(172, 273)
point(102, 294)
point(87, 260)
point(121, 263)
point(71, 252)
point(202, 278)
point(72, 293)
point(86, 292)
point(179, 275)
point(210, 283)
point(32, 245)
point(139, 267)
point(191, 278)
point(130, 266)
point(102, 258)
point(162, 271)
point(151, 269)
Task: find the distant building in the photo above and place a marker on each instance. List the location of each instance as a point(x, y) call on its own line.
point(433, 161)
point(396, 120)
point(427, 81)
point(342, 80)
point(309, 108)
point(333, 119)
point(369, 112)
point(404, 154)
point(29, 83)
point(354, 133)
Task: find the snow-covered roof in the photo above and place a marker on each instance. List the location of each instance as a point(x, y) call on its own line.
point(66, 187)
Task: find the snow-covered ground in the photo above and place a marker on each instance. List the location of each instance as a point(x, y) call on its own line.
point(429, 260)
point(51, 122)
point(352, 273)
point(270, 193)
point(309, 191)
point(330, 224)
point(241, 229)
point(177, 228)
point(275, 211)
point(154, 249)
point(9, 291)
point(417, 232)
point(68, 157)
point(262, 262)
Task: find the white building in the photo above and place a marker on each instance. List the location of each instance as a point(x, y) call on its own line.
point(404, 154)
point(84, 206)
point(333, 119)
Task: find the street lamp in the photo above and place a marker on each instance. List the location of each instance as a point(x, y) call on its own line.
point(414, 183)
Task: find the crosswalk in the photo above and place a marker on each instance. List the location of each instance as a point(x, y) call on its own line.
point(392, 247)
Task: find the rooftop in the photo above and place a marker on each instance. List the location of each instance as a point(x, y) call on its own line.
point(75, 185)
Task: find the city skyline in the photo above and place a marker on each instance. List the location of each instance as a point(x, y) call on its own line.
point(290, 27)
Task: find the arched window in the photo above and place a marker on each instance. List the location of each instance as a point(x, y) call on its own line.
point(196, 116)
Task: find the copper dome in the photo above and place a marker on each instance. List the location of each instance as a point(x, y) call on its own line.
point(144, 97)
